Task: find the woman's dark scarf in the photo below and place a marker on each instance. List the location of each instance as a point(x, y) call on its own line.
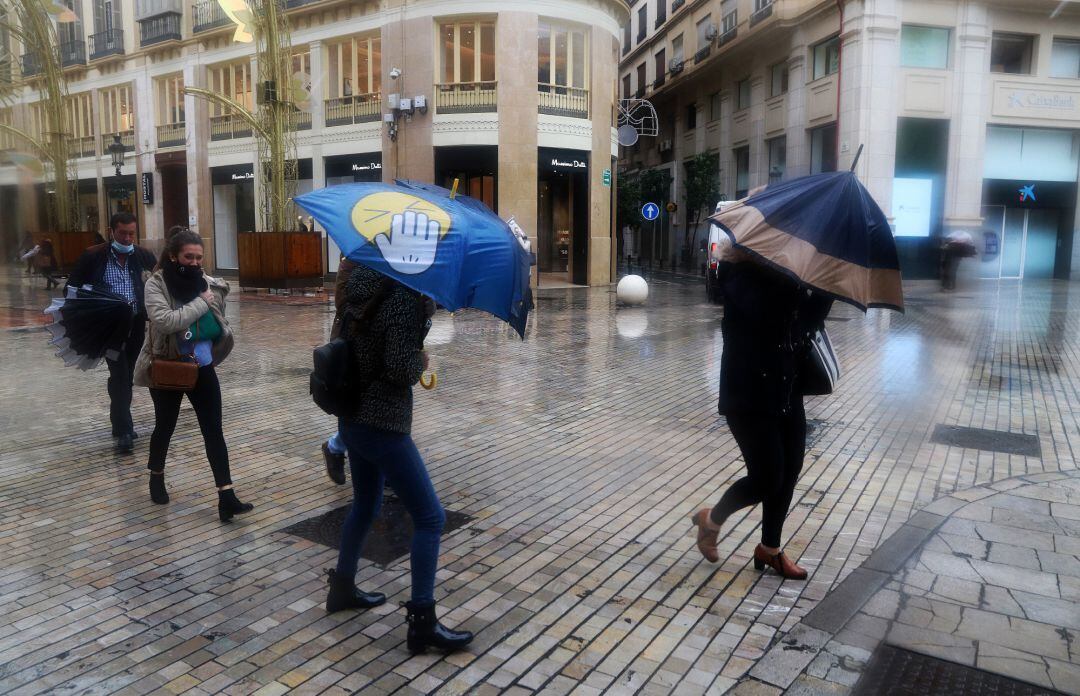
point(185, 283)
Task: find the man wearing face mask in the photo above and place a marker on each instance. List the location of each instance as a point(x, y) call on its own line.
point(120, 267)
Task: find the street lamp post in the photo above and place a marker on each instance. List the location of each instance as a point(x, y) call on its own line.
point(116, 150)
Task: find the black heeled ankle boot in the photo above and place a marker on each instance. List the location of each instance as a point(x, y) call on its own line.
point(344, 595)
point(157, 489)
point(425, 631)
point(228, 505)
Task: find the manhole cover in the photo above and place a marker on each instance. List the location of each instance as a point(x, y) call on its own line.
point(388, 539)
point(894, 671)
point(987, 440)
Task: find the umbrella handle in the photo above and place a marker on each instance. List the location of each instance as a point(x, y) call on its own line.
point(432, 381)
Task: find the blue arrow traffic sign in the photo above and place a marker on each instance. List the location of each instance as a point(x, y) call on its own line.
point(650, 211)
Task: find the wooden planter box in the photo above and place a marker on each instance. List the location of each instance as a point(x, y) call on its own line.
point(280, 259)
point(68, 246)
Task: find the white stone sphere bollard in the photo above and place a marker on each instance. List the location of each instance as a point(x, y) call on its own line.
point(632, 290)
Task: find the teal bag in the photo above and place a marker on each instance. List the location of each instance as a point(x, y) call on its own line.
point(206, 328)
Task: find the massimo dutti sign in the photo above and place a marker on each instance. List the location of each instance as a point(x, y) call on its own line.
point(1017, 100)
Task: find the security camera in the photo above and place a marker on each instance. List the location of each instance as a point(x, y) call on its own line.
point(395, 73)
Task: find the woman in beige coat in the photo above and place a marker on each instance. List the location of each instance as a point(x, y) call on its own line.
point(186, 311)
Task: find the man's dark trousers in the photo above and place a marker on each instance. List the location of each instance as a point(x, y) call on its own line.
point(121, 373)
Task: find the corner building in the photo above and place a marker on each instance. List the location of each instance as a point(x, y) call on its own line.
point(967, 110)
point(517, 102)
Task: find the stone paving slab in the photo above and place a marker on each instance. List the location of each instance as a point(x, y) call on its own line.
point(579, 453)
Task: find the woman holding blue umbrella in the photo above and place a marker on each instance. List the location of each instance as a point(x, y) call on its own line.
point(413, 244)
point(796, 247)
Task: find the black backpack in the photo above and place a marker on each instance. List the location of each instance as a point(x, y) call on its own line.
point(331, 382)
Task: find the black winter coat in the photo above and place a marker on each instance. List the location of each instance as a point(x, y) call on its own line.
point(90, 270)
point(386, 351)
point(768, 321)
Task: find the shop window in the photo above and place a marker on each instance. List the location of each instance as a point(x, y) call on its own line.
point(777, 159)
point(117, 110)
point(742, 171)
point(714, 106)
point(1011, 53)
point(355, 68)
point(691, 117)
point(823, 149)
point(778, 80)
point(827, 58)
point(233, 81)
point(170, 100)
point(742, 94)
point(924, 47)
point(79, 115)
point(468, 53)
point(1065, 58)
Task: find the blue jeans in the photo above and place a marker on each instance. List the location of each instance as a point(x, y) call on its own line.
point(378, 456)
point(335, 445)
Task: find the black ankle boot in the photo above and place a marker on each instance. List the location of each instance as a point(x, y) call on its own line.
point(344, 595)
point(157, 489)
point(425, 631)
point(228, 505)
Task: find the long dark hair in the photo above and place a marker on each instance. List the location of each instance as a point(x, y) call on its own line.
point(179, 237)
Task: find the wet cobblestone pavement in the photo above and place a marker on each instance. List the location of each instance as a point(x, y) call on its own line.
point(579, 454)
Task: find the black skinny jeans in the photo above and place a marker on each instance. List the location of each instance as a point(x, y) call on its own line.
point(205, 398)
point(773, 448)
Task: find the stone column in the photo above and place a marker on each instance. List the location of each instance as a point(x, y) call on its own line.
point(516, 68)
point(102, 194)
point(798, 144)
point(759, 154)
point(967, 132)
point(727, 159)
point(151, 224)
point(197, 132)
point(604, 48)
point(407, 45)
point(318, 89)
point(870, 57)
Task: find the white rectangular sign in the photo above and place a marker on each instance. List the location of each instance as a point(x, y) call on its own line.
point(911, 203)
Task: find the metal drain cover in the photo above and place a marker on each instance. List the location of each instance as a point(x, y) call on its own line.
point(894, 671)
point(388, 539)
point(988, 440)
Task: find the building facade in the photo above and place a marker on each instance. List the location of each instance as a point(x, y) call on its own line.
point(966, 110)
point(514, 99)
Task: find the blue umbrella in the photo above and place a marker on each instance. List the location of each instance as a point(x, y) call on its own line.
point(825, 231)
point(454, 250)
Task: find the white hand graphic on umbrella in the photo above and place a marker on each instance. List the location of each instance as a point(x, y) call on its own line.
point(413, 241)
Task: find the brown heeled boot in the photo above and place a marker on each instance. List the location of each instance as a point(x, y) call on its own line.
point(706, 535)
point(779, 562)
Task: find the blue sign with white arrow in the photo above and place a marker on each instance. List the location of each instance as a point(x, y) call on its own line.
point(650, 211)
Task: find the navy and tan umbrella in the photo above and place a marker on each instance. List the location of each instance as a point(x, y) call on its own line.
point(824, 230)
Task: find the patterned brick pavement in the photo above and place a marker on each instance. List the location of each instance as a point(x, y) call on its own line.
point(578, 452)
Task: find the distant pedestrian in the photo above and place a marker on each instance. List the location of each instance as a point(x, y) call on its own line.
point(120, 267)
point(957, 245)
point(767, 326)
point(386, 339)
point(187, 319)
point(334, 449)
point(25, 248)
point(42, 258)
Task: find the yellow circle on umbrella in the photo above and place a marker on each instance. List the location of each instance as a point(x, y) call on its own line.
point(373, 214)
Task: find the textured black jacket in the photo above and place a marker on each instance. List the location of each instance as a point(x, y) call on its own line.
point(386, 352)
point(90, 270)
point(767, 323)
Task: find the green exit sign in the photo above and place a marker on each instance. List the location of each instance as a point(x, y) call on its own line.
point(607, 177)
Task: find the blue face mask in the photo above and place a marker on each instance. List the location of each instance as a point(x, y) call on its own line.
point(123, 248)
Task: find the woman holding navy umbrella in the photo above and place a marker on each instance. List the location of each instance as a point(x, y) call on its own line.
point(796, 246)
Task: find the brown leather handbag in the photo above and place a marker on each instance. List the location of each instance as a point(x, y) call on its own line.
point(172, 375)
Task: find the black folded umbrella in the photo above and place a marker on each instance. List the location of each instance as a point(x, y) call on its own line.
point(89, 325)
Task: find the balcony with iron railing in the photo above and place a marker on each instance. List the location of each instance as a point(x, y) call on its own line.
point(85, 146)
point(702, 54)
point(640, 92)
point(763, 9)
point(729, 29)
point(207, 15)
point(107, 43)
point(659, 81)
point(676, 4)
point(127, 139)
point(229, 127)
point(358, 108)
point(557, 100)
point(160, 29)
point(31, 64)
point(300, 120)
point(466, 97)
point(293, 4)
point(72, 53)
point(172, 135)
